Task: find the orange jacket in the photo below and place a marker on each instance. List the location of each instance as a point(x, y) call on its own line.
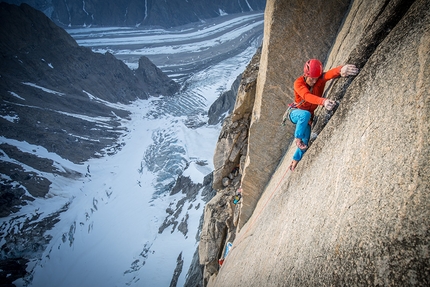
point(313, 97)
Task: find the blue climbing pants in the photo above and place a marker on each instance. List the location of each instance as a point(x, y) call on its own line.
point(303, 130)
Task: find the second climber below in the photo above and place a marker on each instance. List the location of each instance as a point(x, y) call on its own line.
point(308, 91)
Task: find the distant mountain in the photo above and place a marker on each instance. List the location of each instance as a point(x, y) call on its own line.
point(49, 88)
point(139, 12)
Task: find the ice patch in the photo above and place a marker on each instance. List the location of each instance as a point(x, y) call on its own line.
point(222, 12)
point(12, 119)
point(194, 173)
point(16, 95)
point(44, 89)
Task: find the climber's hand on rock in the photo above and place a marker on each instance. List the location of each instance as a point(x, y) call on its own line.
point(329, 104)
point(348, 70)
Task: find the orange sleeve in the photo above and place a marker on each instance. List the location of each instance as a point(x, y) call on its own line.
point(332, 73)
point(302, 90)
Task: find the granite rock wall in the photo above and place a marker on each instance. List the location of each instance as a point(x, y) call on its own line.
point(355, 212)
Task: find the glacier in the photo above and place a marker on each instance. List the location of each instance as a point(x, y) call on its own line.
point(106, 228)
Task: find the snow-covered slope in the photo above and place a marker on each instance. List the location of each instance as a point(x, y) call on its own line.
point(121, 224)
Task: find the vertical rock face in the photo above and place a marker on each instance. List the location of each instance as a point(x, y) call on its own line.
point(232, 142)
point(356, 210)
point(358, 40)
point(221, 214)
point(294, 32)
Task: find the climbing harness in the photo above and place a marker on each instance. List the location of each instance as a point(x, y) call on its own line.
point(291, 107)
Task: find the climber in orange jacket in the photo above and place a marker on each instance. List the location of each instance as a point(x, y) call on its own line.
point(308, 90)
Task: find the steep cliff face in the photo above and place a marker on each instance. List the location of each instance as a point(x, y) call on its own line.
point(356, 210)
point(221, 214)
point(294, 31)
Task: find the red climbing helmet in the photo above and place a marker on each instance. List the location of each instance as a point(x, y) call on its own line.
point(313, 68)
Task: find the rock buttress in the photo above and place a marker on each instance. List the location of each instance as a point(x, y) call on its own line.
point(221, 215)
